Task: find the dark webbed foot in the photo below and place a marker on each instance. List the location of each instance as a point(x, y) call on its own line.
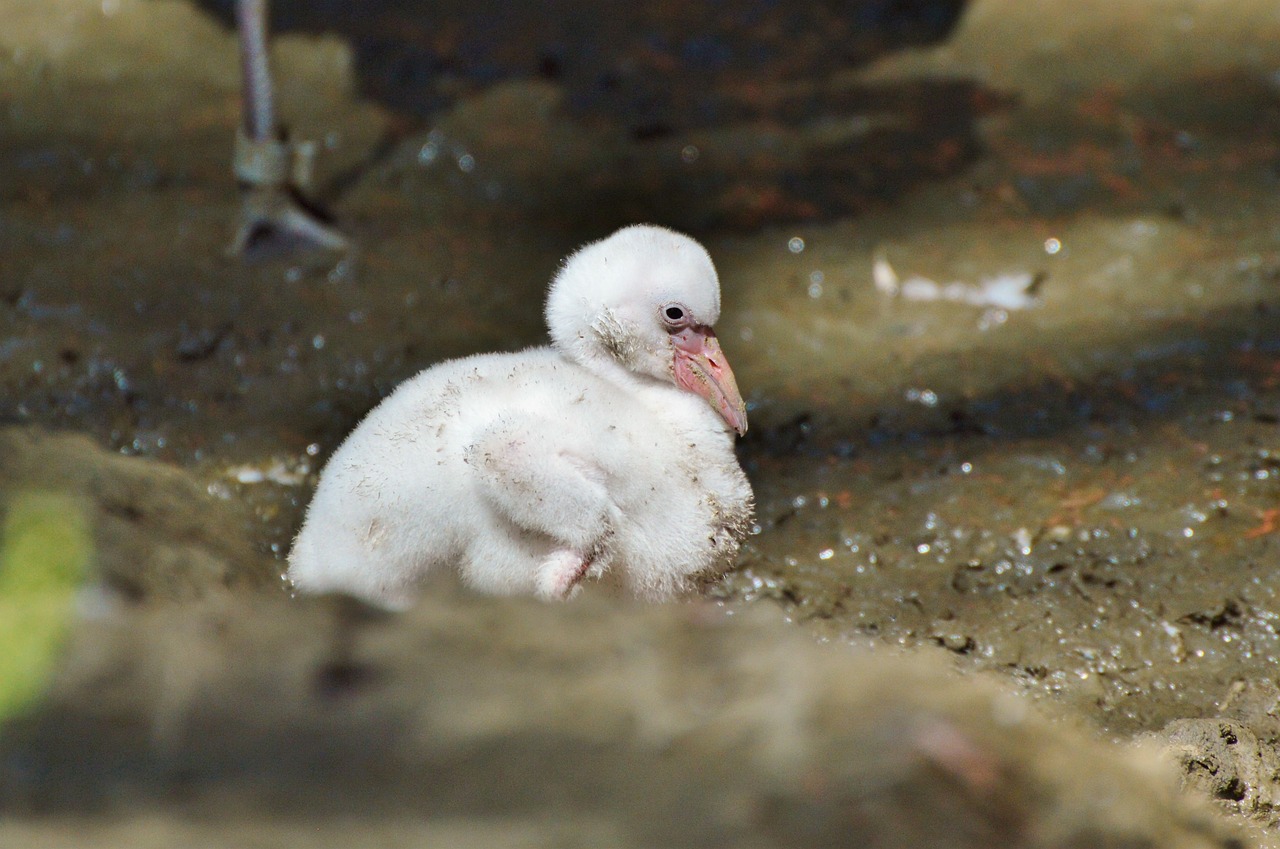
point(273, 214)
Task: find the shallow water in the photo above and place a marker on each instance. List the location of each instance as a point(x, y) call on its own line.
point(1079, 495)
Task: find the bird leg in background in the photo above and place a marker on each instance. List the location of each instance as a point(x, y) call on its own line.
point(272, 171)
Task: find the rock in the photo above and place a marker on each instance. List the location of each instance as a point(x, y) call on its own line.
point(1233, 757)
point(473, 721)
point(156, 532)
point(1225, 760)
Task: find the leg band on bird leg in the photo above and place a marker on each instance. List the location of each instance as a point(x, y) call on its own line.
point(273, 172)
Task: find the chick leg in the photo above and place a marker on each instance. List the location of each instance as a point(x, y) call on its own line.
point(533, 476)
point(560, 575)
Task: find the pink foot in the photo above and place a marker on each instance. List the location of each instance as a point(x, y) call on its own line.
point(560, 575)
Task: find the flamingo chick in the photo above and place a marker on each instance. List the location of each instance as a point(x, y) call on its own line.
point(612, 449)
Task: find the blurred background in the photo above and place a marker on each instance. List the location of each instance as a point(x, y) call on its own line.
point(1000, 288)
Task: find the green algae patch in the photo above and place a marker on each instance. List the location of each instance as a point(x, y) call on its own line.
point(45, 549)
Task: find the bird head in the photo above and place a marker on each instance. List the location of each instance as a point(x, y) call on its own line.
point(645, 299)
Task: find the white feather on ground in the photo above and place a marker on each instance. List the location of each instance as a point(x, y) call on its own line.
point(1012, 291)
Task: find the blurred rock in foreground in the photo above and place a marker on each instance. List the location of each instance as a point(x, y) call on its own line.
point(155, 531)
point(480, 722)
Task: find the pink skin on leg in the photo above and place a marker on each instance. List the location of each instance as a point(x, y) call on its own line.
point(561, 574)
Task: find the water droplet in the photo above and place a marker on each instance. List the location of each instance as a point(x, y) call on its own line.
point(340, 271)
point(992, 318)
point(1022, 539)
point(826, 554)
point(689, 154)
point(795, 245)
point(1052, 246)
point(317, 341)
point(927, 397)
point(466, 163)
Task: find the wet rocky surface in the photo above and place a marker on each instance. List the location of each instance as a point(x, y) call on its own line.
point(1076, 499)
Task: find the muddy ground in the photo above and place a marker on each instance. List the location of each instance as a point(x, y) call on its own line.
point(1072, 498)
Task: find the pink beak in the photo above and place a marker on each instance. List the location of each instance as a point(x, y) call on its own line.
point(700, 368)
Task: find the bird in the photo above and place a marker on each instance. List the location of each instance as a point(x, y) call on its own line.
point(609, 451)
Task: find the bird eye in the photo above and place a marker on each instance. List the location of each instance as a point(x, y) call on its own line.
point(673, 314)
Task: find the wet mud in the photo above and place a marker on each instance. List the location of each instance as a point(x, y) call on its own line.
point(1076, 499)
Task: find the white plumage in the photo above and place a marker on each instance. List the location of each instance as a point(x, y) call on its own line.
point(612, 450)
